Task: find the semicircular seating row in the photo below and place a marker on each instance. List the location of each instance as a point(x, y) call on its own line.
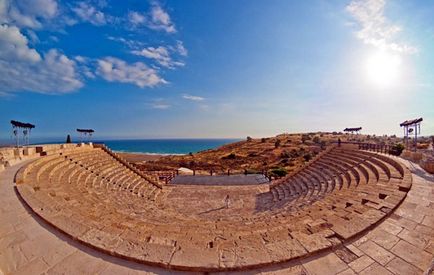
point(95, 199)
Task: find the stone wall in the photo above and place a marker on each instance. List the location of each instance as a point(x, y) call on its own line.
point(11, 155)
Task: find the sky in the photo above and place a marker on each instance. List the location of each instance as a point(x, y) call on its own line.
point(216, 68)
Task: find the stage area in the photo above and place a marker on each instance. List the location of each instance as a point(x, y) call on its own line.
point(220, 180)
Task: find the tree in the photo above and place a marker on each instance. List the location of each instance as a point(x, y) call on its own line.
point(68, 139)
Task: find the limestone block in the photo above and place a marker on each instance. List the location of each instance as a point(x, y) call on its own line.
point(29, 151)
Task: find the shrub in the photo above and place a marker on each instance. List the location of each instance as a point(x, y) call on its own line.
point(323, 144)
point(304, 138)
point(263, 140)
point(230, 156)
point(307, 157)
point(249, 139)
point(277, 143)
point(316, 140)
point(279, 172)
point(284, 161)
point(284, 154)
point(293, 153)
point(397, 149)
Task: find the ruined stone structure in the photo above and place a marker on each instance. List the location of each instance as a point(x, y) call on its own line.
point(96, 198)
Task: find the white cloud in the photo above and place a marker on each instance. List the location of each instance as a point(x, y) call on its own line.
point(136, 18)
point(181, 49)
point(376, 30)
point(193, 97)
point(116, 70)
point(132, 44)
point(54, 74)
point(89, 13)
point(159, 54)
point(160, 106)
point(160, 20)
point(23, 68)
point(34, 39)
point(83, 66)
point(27, 13)
point(156, 19)
point(14, 46)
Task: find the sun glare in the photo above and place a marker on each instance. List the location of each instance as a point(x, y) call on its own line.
point(383, 69)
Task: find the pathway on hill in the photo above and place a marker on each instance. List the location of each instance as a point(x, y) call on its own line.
point(402, 244)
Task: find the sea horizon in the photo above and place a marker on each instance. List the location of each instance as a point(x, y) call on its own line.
point(150, 146)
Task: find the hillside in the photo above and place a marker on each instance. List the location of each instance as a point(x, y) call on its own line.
point(282, 152)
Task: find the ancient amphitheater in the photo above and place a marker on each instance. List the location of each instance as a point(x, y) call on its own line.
point(80, 208)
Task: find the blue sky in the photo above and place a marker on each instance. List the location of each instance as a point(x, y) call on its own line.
point(152, 69)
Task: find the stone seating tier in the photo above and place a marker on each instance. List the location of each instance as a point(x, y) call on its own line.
point(94, 198)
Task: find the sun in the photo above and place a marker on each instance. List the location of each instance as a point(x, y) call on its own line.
point(383, 69)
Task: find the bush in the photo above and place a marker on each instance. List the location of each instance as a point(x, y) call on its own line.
point(263, 140)
point(284, 161)
point(307, 157)
point(249, 139)
point(323, 144)
point(397, 149)
point(304, 138)
point(316, 140)
point(284, 154)
point(277, 143)
point(293, 153)
point(278, 172)
point(230, 156)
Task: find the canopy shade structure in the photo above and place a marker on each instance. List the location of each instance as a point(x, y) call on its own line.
point(352, 129)
point(411, 122)
point(87, 133)
point(22, 124)
point(16, 128)
point(85, 130)
point(409, 130)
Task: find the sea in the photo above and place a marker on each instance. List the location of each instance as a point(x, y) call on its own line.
point(152, 146)
point(166, 146)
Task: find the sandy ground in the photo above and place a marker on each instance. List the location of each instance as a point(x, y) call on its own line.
point(136, 157)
